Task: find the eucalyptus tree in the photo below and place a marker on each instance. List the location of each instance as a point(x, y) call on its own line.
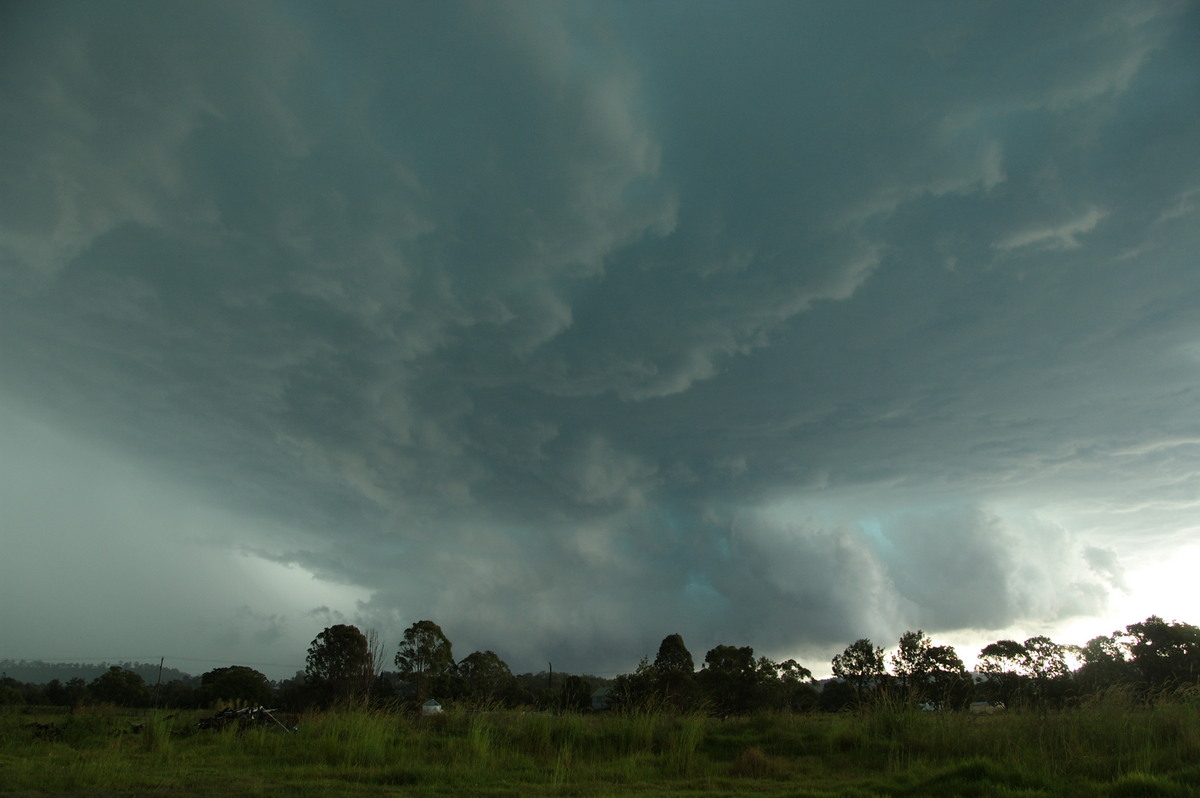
point(484, 677)
point(238, 683)
point(1105, 664)
point(424, 656)
point(861, 665)
point(1164, 653)
point(730, 678)
point(120, 686)
point(1035, 670)
point(340, 666)
point(927, 671)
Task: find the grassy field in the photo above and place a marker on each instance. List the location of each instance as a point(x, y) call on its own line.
point(1111, 747)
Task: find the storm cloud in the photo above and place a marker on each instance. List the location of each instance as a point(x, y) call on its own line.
point(572, 326)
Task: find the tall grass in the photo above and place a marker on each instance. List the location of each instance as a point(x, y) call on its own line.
point(1115, 744)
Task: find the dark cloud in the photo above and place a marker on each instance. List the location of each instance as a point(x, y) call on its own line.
point(574, 326)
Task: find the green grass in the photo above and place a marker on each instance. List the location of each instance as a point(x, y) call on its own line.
point(1113, 746)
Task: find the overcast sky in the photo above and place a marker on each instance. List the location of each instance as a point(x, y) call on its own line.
point(570, 326)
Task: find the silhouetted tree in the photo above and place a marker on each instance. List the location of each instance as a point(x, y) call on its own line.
point(836, 695)
point(928, 672)
point(10, 693)
point(1164, 653)
point(178, 694)
point(339, 666)
point(861, 665)
point(730, 679)
point(635, 691)
point(425, 654)
point(793, 687)
point(65, 695)
point(1035, 671)
point(242, 685)
point(121, 687)
point(574, 694)
point(1045, 664)
point(673, 673)
point(485, 678)
point(1104, 664)
point(1000, 662)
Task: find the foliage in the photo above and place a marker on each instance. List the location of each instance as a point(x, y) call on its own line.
point(673, 674)
point(121, 687)
point(64, 695)
point(483, 678)
point(1104, 664)
point(10, 696)
point(574, 694)
point(730, 678)
point(1035, 671)
point(239, 684)
point(1163, 652)
point(792, 688)
point(339, 665)
point(424, 655)
point(927, 672)
point(861, 665)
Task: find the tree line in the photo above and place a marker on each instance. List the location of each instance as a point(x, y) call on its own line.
point(1147, 658)
point(347, 667)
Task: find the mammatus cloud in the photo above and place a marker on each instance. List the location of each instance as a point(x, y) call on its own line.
point(575, 326)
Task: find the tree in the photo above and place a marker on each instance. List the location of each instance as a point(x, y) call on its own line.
point(1045, 665)
point(927, 671)
point(1164, 652)
point(574, 694)
point(242, 685)
point(119, 686)
point(836, 696)
point(673, 672)
point(339, 665)
point(1036, 669)
point(910, 663)
point(485, 677)
point(634, 690)
point(1104, 664)
point(424, 655)
point(948, 679)
point(1001, 662)
point(674, 659)
point(860, 664)
point(73, 692)
point(10, 696)
point(730, 678)
point(783, 685)
point(1044, 659)
point(178, 694)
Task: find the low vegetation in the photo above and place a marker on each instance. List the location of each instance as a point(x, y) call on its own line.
point(1117, 717)
point(1116, 744)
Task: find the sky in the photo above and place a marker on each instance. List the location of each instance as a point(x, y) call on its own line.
point(571, 326)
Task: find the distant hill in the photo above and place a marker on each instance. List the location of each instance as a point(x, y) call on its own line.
point(38, 672)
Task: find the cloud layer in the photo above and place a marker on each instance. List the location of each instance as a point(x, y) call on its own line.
point(576, 326)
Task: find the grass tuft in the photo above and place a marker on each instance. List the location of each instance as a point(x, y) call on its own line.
point(753, 763)
point(1144, 785)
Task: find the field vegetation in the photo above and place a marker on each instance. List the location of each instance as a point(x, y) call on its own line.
point(1119, 716)
point(1118, 743)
